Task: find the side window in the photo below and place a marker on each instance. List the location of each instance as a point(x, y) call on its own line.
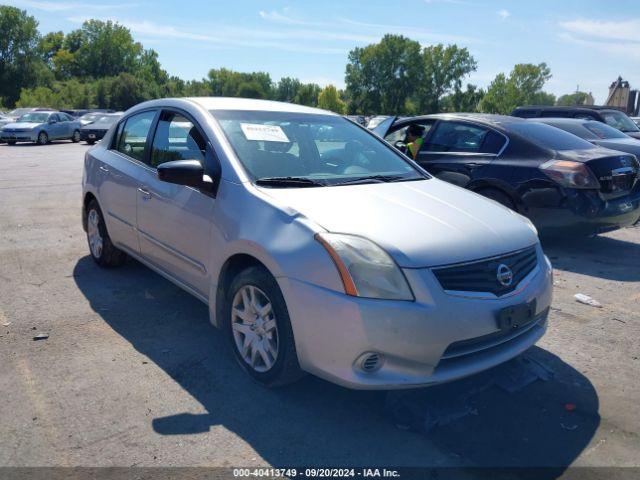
point(493, 143)
point(64, 117)
point(176, 138)
point(401, 134)
point(457, 137)
point(55, 117)
point(134, 134)
point(585, 116)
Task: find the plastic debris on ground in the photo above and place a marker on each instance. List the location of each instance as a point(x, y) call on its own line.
point(587, 300)
point(41, 336)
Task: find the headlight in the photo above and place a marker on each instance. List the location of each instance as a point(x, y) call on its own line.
point(365, 268)
point(570, 174)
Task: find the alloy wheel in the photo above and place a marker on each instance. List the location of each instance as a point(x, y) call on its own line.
point(254, 328)
point(93, 233)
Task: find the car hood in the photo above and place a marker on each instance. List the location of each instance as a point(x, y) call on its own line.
point(420, 224)
point(629, 145)
point(22, 125)
point(633, 134)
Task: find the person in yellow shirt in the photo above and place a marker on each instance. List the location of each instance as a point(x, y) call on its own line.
point(414, 140)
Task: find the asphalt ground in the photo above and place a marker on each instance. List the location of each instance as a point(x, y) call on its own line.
point(133, 374)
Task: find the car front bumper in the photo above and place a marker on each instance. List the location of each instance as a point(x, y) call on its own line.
point(18, 136)
point(586, 213)
point(437, 338)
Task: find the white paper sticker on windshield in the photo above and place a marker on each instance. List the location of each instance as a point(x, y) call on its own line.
point(267, 133)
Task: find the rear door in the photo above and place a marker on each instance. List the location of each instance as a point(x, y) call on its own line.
point(120, 171)
point(55, 130)
point(458, 152)
point(174, 221)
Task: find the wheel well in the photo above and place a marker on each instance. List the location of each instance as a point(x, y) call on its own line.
point(85, 203)
point(232, 267)
point(514, 202)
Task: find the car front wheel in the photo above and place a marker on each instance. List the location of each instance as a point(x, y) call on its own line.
point(43, 138)
point(260, 330)
point(102, 249)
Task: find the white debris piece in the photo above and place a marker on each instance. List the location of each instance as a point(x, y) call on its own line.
point(587, 300)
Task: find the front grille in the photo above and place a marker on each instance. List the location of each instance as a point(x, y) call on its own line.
point(482, 275)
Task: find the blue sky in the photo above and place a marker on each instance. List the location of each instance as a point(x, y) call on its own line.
point(585, 42)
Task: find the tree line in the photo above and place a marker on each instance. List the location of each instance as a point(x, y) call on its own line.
point(100, 65)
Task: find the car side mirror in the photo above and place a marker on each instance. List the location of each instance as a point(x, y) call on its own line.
point(182, 172)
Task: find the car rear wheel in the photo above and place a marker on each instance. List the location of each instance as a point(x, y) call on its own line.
point(90, 142)
point(498, 196)
point(75, 138)
point(43, 138)
point(258, 325)
point(100, 245)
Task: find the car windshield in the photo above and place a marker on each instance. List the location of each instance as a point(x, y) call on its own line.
point(604, 131)
point(90, 116)
point(18, 112)
point(34, 117)
point(620, 121)
point(106, 120)
point(310, 149)
point(548, 137)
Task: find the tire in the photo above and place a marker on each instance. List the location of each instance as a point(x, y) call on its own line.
point(75, 138)
point(91, 142)
point(43, 138)
point(100, 246)
point(284, 368)
point(498, 196)
point(11, 142)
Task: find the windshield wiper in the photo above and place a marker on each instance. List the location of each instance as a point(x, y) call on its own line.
point(289, 182)
point(375, 179)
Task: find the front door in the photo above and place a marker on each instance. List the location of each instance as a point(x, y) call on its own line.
point(174, 221)
point(458, 152)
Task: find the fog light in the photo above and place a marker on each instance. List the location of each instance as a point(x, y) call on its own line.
point(370, 362)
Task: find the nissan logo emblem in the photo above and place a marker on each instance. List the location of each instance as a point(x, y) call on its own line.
point(504, 275)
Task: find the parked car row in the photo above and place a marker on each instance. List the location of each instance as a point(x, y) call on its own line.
point(43, 125)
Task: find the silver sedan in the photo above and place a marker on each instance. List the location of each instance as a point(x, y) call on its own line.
point(41, 127)
point(317, 246)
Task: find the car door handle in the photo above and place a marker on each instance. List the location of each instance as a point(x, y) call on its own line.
point(104, 169)
point(471, 166)
point(146, 194)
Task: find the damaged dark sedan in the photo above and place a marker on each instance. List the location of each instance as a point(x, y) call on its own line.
point(563, 183)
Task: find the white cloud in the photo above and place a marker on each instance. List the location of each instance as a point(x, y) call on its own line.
point(64, 6)
point(226, 36)
point(452, 2)
point(624, 50)
point(504, 14)
point(628, 30)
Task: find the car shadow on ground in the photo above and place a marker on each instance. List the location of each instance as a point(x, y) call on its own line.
point(315, 423)
point(601, 256)
point(33, 144)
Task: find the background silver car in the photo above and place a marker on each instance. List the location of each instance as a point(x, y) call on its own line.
point(316, 245)
point(41, 127)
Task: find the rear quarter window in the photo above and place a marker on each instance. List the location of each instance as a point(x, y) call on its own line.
point(548, 137)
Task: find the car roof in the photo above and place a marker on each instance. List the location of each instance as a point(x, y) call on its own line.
point(560, 120)
point(228, 103)
point(568, 107)
point(485, 118)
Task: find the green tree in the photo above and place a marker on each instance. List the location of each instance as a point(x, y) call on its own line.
point(307, 94)
point(329, 99)
point(287, 89)
point(228, 83)
point(19, 55)
point(381, 77)
point(572, 99)
point(522, 87)
point(444, 68)
point(105, 49)
point(462, 100)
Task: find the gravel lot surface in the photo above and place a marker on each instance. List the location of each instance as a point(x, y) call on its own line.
point(132, 373)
